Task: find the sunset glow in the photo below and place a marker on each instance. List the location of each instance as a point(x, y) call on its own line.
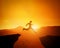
point(32, 21)
point(18, 13)
point(35, 27)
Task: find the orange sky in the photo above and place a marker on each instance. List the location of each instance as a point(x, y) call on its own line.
point(17, 13)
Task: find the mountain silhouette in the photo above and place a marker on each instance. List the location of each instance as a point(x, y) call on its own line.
point(11, 31)
point(52, 38)
point(30, 38)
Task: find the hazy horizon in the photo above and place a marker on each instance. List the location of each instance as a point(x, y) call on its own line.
point(19, 13)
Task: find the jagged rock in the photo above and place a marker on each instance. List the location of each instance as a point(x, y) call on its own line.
point(7, 41)
point(51, 41)
point(52, 38)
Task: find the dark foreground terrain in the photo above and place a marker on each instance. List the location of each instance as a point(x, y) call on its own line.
point(7, 41)
point(52, 40)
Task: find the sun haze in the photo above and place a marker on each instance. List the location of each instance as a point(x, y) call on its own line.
point(35, 27)
point(16, 13)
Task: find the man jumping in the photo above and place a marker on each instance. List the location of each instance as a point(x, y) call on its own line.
point(29, 26)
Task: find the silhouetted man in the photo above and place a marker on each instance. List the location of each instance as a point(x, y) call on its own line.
point(29, 26)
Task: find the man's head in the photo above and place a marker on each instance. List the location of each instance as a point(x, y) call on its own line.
point(30, 21)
